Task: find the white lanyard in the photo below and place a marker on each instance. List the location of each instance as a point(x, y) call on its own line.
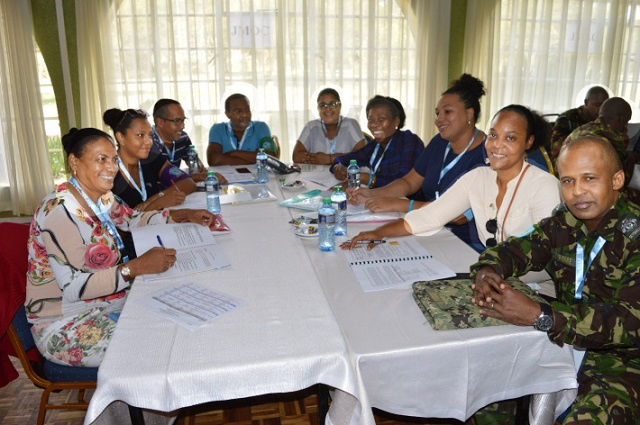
point(102, 212)
point(581, 272)
point(143, 191)
point(171, 154)
point(375, 152)
point(332, 142)
point(453, 163)
point(232, 136)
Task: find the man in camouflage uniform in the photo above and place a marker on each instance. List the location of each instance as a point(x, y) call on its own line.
point(606, 318)
point(574, 118)
point(611, 124)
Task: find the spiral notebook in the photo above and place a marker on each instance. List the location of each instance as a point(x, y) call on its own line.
point(398, 262)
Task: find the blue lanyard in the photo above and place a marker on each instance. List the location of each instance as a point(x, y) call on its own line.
point(375, 152)
point(102, 212)
point(332, 150)
point(143, 191)
point(581, 273)
point(171, 154)
point(453, 163)
point(232, 136)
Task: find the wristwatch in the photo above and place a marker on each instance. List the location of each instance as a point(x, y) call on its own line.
point(160, 194)
point(125, 271)
point(544, 322)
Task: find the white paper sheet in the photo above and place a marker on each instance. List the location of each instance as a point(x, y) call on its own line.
point(232, 174)
point(395, 263)
point(196, 249)
point(190, 305)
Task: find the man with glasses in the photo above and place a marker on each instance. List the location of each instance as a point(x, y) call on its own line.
point(236, 142)
point(591, 248)
point(169, 138)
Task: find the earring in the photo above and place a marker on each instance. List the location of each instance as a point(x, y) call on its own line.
point(487, 161)
point(468, 122)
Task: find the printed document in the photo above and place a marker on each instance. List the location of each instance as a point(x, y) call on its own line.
point(190, 305)
point(395, 263)
point(196, 248)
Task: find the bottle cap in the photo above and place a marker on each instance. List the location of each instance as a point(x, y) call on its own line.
point(326, 200)
point(337, 189)
point(353, 161)
point(211, 173)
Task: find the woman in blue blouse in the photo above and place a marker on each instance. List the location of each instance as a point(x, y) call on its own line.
point(392, 152)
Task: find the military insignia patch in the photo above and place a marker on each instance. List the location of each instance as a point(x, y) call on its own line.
point(629, 225)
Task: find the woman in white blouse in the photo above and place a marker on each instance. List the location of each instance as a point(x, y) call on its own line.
point(506, 198)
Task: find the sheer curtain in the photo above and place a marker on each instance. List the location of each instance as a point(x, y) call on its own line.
point(279, 53)
point(23, 148)
point(542, 53)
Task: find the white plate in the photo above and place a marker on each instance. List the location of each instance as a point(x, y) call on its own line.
point(303, 231)
point(293, 185)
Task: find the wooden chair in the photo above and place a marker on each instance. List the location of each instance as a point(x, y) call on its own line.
point(43, 373)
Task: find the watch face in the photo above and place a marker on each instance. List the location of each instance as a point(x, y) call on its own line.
point(125, 271)
point(544, 323)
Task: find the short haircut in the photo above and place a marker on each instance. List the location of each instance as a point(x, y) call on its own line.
point(614, 108)
point(595, 91)
point(235, 96)
point(328, 91)
point(394, 105)
point(609, 152)
point(160, 108)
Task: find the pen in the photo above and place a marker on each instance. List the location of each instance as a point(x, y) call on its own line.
point(160, 241)
point(173, 183)
point(376, 241)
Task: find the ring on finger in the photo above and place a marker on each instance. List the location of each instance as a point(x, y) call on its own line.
point(492, 304)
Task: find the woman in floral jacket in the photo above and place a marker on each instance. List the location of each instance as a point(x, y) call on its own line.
point(79, 272)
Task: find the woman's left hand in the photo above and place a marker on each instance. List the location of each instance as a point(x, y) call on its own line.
point(340, 172)
point(202, 217)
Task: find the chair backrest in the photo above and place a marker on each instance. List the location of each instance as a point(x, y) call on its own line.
point(13, 263)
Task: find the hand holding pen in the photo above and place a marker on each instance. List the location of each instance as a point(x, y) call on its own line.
point(371, 239)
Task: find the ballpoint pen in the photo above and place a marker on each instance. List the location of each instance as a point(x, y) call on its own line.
point(173, 183)
point(375, 241)
point(160, 241)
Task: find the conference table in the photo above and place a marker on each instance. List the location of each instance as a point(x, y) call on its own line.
point(306, 321)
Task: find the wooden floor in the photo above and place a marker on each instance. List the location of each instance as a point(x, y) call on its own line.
point(20, 399)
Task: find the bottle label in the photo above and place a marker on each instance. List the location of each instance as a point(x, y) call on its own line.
point(329, 219)
point(262, 162)
point(342, 205)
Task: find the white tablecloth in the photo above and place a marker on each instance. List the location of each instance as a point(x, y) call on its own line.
point(307, 321)
point(283, 339)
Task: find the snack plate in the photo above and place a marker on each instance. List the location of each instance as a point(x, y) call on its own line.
point(306, 231)
point(294, 185)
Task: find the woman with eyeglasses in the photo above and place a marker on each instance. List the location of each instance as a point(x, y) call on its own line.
point(506, 198)
point(141, 176)
point(392, 152)
point(325, 139)
point(80, 270)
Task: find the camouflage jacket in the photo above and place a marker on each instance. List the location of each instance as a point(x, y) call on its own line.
point(598, 128)
point(565, 124)
point(607, 319)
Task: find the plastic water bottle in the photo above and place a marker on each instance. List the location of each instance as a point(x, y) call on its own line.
point(353, 174)
point(326, 223)
point(213, 193)
point(262, 175)
point(339, 201)
point(192, 160)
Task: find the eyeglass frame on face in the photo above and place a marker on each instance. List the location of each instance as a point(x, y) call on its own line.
point(492, 227)
point(175, 121)
point(333, 104)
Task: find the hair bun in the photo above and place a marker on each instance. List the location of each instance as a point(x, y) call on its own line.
point(472, 84)
point(69, 140)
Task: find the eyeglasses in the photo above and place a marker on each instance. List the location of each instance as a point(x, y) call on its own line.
point(133, 113)
point(492, 227)
point(332, 105)
point(176, 121)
